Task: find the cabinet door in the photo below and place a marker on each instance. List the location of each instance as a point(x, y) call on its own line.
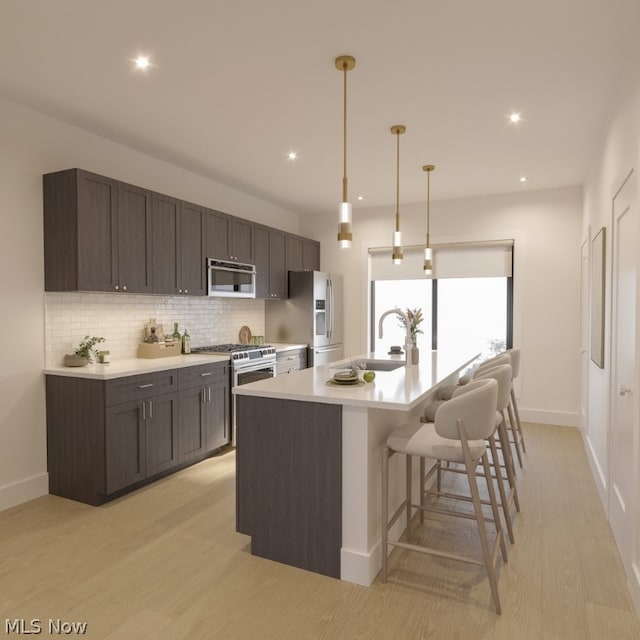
point(166, 215)
point(191, 431)
point(241, 240)
point(125, 444)
point(311, 255)
point(261, 256)
point(217, 415)
point(162, 433)
point(192, 259)
point(216, 240)
point(277, 264)
point(97, 234)
point(294, 253)
point(134, 239)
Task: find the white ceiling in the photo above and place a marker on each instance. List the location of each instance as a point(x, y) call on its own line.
point(236, 84)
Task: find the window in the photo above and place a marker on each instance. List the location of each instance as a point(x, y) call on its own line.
point(469, 306)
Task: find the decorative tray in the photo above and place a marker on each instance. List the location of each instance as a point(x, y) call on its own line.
point(332, 382)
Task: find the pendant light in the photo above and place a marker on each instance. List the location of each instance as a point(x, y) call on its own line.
point(344, 64)
point(428, 253)
point(397, 254)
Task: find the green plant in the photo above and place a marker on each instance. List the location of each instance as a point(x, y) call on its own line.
point(415, 318)
point(86, 347)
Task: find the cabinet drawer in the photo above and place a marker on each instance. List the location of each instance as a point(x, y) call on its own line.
point(202, 374)
point(140, 387)
point(292, 360)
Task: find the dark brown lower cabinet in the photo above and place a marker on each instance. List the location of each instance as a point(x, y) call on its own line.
point(289, 481)
point(108, 437)
point(141, 440)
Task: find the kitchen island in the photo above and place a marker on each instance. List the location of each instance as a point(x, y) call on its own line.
point(308, 461)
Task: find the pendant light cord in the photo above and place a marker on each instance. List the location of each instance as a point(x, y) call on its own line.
point(428, 200)
point(344, 174)
point(398, 181)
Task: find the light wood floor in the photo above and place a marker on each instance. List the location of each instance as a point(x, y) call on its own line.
point(166, 562)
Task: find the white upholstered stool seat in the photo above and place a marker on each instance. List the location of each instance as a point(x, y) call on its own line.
point(423, 441)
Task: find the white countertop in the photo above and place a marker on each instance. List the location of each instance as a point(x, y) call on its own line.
point(401, 389)
point(134, 366)
point(283, 346)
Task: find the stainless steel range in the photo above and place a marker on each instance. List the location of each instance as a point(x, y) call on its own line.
point(249, 363)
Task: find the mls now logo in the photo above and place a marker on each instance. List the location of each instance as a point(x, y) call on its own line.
point(21, 626)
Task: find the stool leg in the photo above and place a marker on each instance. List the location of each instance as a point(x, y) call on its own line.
point(508, 459)
point(518, 423)
point(482, 527)
point(385, 510)
point(494, 505)
point(408, 496)
point(514, 431)
point(422, 493)
point(495, 457)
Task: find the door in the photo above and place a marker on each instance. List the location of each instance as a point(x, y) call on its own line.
point(191, 412)
point(217, 431)
point(623, 428)
point(134, 239)
point(125, 442)
point(584, 335)
point(191, 257)
point(161, 433)
point(166, 217)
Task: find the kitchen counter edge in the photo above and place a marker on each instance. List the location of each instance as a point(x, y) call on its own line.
point(133, 366)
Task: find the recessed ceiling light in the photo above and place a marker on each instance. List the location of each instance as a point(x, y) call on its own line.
point(292, 155)
point(142, 62)
point(523, 178)
point(515, 117)
point(360, 197)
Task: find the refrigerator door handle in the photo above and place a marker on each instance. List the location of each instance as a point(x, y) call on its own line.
point(327, 349)
point(329, 305)
point(332, 306)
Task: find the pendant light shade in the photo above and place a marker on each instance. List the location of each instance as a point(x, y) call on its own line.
point(428, 252)
point(397, 256)
point(345, 236)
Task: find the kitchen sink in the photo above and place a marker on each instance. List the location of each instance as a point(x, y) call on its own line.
point(382, 365)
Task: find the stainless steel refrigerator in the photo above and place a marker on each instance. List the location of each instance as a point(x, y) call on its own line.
point(311, 315)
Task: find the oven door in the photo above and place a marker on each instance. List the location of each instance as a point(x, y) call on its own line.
point(245, 375)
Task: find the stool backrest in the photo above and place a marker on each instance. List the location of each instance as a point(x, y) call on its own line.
point(503, 358)
point(502, 375)
point(515, 361)
point(475, 405)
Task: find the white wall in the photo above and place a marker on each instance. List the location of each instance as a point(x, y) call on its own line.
point(546, 227)
point(32, 144)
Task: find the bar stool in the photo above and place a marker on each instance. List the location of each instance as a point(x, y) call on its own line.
point(502, 375)
point(446, 392)
point(457, 435)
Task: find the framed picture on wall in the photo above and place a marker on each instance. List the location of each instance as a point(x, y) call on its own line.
point(597, 297)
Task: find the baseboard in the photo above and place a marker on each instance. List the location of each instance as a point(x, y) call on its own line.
point(560, 418)
point(14, 494)
point(598, 475)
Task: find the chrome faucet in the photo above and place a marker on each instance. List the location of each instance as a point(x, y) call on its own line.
point(407, 323)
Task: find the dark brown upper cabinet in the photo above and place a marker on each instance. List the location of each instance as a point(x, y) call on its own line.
point(104, 235)
point(303, 254)
point(178, 262)
point(97, 234)
point(228, 238)
point(270, 261)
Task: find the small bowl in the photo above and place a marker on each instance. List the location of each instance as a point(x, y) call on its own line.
point(345, 376)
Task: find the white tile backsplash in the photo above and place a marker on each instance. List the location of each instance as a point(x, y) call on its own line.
point(120, 319)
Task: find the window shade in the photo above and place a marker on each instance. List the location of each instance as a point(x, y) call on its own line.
point(462, 260)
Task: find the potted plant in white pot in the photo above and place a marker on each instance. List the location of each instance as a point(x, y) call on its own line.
point(83, 355)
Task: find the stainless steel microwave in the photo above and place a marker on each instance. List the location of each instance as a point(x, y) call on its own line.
point(230, 279)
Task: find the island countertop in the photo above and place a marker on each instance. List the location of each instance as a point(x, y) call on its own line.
point(401, 389)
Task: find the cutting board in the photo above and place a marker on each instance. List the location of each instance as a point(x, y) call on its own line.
point(245, 335)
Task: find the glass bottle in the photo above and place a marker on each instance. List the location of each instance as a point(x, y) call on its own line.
point(186, 342)
point(176, 333)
